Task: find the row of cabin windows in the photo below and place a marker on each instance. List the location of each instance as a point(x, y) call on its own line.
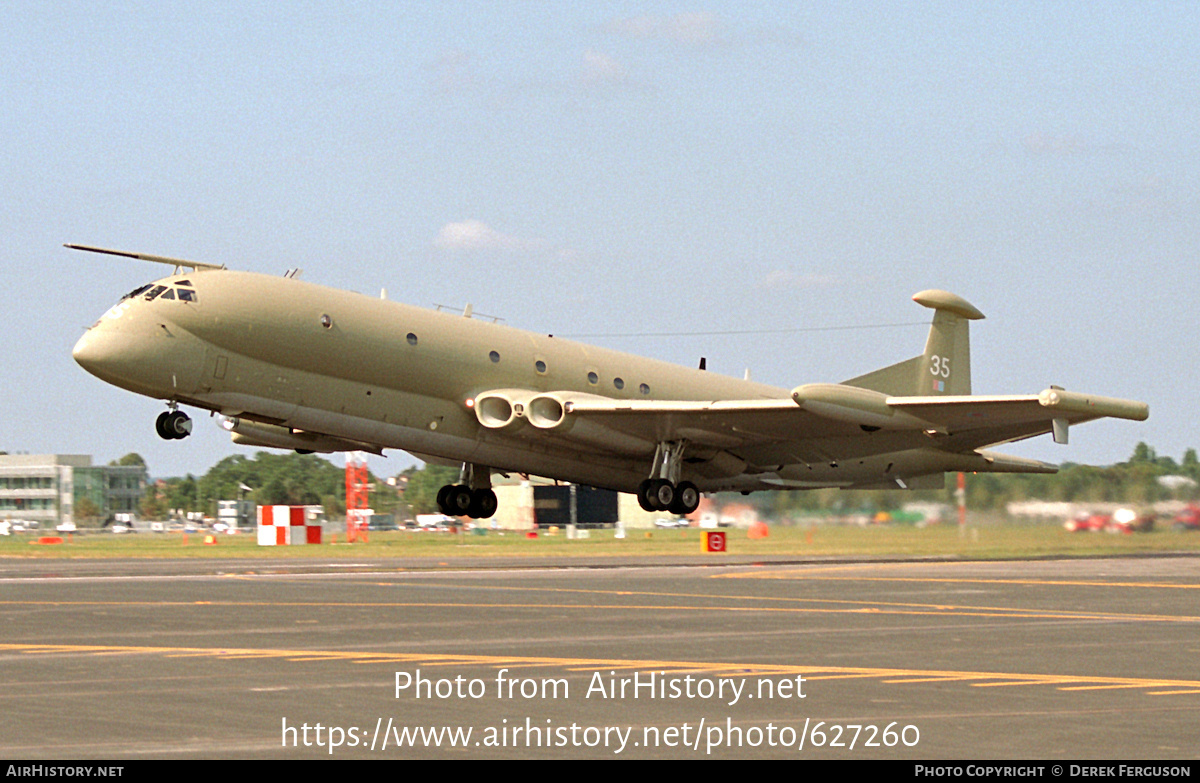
point(540, 366)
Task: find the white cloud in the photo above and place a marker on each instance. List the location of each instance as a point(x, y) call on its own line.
point(477, 235)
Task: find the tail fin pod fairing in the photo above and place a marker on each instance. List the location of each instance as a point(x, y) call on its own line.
point(945, 366)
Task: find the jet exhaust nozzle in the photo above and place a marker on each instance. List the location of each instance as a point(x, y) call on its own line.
point(502, 409)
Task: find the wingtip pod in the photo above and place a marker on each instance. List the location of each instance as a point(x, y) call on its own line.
point(1094, 405)
point(944, 300)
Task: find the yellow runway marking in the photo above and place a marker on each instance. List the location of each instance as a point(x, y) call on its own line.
point(977, 679)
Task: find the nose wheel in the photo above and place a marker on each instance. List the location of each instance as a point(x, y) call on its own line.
point(173, 425)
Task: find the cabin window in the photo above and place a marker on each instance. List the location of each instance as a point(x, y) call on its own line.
point(619, 383)
point(540, 366)
point(593, 378)
point(326, 321)
point(494, 356)
point(412, 339)
point(644, 388)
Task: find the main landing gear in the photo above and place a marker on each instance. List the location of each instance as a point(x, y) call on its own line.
point(173, 424)
point(471, 497)
point(663, 491)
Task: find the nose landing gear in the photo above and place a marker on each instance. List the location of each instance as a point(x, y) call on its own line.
point(173, 425)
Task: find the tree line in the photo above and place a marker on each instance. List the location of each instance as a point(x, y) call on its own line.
point(298, 479)
point(1136, 481)
point(265, 479)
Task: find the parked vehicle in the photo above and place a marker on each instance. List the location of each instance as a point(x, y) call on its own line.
point(1085, 522)
point(1188, 519)
point(1126, 520)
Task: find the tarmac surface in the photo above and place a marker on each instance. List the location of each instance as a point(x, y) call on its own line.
point(1069, 659)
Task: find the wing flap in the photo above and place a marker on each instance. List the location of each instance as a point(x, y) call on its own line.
point(717, 423)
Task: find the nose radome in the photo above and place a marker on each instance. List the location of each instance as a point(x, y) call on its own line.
point(143, 356)
point(87, 353)
point(98, 352)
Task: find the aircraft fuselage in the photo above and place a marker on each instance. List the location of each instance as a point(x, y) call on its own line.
point(291, 353)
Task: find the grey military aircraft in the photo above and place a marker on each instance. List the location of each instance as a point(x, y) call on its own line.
point(292, 365)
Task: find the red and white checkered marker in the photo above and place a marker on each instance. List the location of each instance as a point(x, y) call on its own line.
point(283, 525)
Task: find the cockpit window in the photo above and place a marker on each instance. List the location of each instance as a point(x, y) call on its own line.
point(136, 291)
point(183, 282)
point(153, 291)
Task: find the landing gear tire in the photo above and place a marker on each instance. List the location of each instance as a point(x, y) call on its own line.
point(644, 498)
point(687, 499)
point(160, 425)
point(483, 504)
point(441, 498)
point(663, 494)
point(459, 500)
point(173, 425)
point(454, 500)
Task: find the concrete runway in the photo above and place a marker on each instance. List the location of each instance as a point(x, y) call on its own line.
point(1080, 659)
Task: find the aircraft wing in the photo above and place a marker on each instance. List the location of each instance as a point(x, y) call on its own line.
point(833, 421)
point(988, 420)
point(718, 423)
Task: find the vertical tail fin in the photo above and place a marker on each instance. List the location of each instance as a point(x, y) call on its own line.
point(945, 367)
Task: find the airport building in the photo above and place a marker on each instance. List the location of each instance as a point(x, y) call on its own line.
point(47, 488)
point(530, 504)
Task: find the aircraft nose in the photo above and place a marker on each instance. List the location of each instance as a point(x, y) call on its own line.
point(94, 352)
point(143, 356)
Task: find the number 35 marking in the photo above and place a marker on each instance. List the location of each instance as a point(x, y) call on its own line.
point(939, 365)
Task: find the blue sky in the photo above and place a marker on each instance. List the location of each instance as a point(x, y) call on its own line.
point(620, 168)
